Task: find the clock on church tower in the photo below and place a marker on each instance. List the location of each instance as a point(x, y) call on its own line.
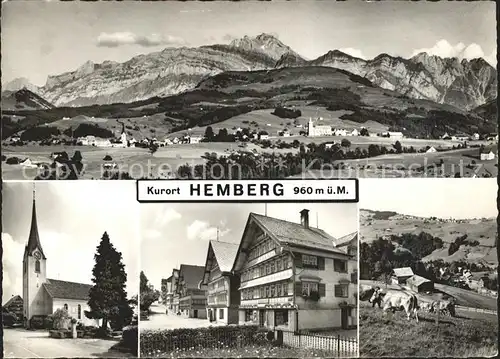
point(37, 255)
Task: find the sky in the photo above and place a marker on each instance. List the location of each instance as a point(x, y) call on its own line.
point(72, 217)
point(431, 197)
point(174, 234)
point(41, 38)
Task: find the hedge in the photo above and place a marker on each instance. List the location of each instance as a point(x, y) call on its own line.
point(166, 341)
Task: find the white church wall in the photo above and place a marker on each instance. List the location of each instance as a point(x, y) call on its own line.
point(35, 293)
point(73, 310)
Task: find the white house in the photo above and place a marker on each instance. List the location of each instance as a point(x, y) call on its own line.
point(354, 132)
point(340, 132)
point(431, 150)
point(395, 135)
point(195, 139)
point(486, 154)
point(475, 136)
point(263, 137)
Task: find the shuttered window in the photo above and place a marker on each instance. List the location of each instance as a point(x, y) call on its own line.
point(340, 266)
point(341, 290)
point(309, 261)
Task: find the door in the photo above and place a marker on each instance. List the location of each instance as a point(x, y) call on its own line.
point(195, 313)
point(262, 316)
point(344, 317)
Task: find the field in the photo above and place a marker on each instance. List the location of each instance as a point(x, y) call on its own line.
point(393, 336)
point(482, 230)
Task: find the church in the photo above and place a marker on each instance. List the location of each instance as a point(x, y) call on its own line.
point(43, 296)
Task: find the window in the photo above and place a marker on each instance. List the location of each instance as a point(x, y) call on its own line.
point(281, 317)
point(309, 287)
point(79, 311)
point(273, 267)
point(65, 307)
point(268, 268)
point(267, 291)
point(262, 292)
point(339, 265)
point(279, 289)
point(309, 261)
point(341, 290)
point(37, 266)
point(221, 313)
point(273, 290)
point(279, 265)
point(285, 289)
point(262, 271)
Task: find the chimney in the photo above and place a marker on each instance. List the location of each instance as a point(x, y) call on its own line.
point(304, 218)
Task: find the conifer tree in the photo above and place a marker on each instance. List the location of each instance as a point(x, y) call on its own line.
point(108, 298)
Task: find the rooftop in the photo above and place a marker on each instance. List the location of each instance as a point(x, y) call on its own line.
point(225, 253)
point(67, 290)
point(403, 272)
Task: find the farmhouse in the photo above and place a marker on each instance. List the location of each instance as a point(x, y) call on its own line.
point(166, 287)
point(420, 284)
point(349, 244)
point(400, 275)
point(318, 130)
point(15, 305)
point(340, 132)
point(175, 290)
point(194, 139)
point(431, 150)
point(475, 136)
point(292, 276)
point(395, 135)
point(223, 296)
point(486, 154)
point(192, 300)
point(41, 295)
point(354, 132)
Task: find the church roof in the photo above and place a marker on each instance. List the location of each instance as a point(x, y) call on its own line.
point(67, 290)
point(34, 238)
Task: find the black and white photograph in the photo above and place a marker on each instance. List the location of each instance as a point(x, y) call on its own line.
point(70, 270)
point(428, 268)
point(249, 280)
point(253, 89)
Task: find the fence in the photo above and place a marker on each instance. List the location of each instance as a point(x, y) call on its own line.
point(164, 343)
point(478, 310)
point(339, 346)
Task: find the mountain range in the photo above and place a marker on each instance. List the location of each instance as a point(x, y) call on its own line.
point(465, 84)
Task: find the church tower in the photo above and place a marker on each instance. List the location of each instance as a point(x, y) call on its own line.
point(34, 273)
point(123, 136)
point(310, 128)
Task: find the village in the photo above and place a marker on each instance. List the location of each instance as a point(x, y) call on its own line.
point(291, 280)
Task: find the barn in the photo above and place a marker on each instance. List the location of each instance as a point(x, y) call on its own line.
point(420, 284)
point(400, 275)
point(15, 305)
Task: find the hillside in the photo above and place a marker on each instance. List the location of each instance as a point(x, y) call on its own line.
point(313, 90)
point(487, 111)
point(24, 99)
point(375, 224)
point(463, 84)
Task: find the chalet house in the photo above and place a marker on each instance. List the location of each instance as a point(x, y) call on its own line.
point(15, 305)
point(400, 275)
point(349, 244)
point(192, 299)
point(395, 135)
point(420, 284)
point(223, 297)
point(292, 276)
point(175, 290)
point(166, 287)
point(486, 154)
point(431, 150)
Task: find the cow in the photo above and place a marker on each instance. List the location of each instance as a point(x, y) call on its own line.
point(395, 300)
point(445, 307)
point(366, 292)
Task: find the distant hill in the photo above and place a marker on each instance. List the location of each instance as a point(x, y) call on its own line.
point(488, 111)
point(464, 84)
point(19, 84)
point(374, 224)
point(24, 99)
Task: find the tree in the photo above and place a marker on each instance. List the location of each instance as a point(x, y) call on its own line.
point(108, 298)
point(364, 132)
point(209, 134)
point(153, 147)
point(149, 295)
point(345, 143)
point(398, 147)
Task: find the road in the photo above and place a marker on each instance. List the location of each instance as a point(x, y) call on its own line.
point(158, 319)
point(21, 343)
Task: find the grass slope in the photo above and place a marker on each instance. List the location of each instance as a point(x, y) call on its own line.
point(394, 336)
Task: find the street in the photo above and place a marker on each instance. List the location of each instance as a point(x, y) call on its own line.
point(158, 319)
point(21, 343)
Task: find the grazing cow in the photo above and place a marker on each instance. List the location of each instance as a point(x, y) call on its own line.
point(395, 300)
point(366, 292)
point(445, 307)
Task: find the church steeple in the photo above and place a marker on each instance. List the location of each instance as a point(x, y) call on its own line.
point(34, 238)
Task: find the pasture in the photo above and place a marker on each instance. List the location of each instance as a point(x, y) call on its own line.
point(466, 335)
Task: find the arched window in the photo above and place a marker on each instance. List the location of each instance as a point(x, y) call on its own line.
point(65, 307)
point(37, 266)
point(79, 311)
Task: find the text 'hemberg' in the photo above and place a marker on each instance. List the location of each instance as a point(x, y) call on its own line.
point(236, 189)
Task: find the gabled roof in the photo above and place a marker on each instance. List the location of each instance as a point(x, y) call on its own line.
point(192, 275)
point(417, 280)
point(225, 253)
point(12, 300)
point(403, 272)
point(296, 234)
point(346, 240)
point(486, 150)
point(67, 290)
